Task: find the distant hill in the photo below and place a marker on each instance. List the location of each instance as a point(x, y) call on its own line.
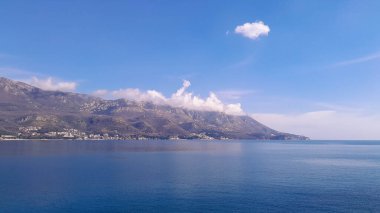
point(30, 112)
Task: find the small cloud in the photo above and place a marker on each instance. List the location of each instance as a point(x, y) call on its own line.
point(253, 30)
point(38, 80)
point(52, 84)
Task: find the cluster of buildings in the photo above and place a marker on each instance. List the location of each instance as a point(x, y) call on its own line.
point(35, 132)
point(8, 137)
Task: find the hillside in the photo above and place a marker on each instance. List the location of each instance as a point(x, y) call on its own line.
point(29, 112)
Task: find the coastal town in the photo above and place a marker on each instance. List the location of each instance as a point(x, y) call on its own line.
point(35, 132)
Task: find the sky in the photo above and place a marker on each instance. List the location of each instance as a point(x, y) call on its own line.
point(305, 67)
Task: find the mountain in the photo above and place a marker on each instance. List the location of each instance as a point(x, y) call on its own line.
point(30, 112)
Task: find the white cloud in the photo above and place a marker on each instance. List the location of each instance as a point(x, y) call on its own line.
point(137, 95)
point(181, 98)
point(38, 80)
point(328, 124)
point(52, 84)
point(253, 30)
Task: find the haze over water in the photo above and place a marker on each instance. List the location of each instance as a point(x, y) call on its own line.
point(196, 176)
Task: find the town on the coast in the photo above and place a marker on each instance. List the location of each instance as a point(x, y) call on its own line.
point(35, 132)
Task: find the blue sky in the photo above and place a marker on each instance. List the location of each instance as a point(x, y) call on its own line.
point(319, 61)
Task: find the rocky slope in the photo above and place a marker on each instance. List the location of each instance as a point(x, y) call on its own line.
point(30, 112)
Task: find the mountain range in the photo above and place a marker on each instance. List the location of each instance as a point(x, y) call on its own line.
point(30, 112)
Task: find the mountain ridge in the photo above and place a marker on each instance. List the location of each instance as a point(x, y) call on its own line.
point(30, 112)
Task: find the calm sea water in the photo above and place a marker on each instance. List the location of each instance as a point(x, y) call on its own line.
point(190, 176)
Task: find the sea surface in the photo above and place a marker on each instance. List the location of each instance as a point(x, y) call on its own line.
point(190, 176)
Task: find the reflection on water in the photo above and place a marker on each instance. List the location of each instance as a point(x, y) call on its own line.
point(341, 162)
point(72, 147)
point(200, 176)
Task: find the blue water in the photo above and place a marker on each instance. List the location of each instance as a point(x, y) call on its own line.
point(190, 176)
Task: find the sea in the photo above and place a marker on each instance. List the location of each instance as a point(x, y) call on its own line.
point(189, 176)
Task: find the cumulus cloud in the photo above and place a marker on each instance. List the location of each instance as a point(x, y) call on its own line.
point(52, 84)
point(137, 95)
point(253, 30)
point(326, 124)
point(181, 98)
